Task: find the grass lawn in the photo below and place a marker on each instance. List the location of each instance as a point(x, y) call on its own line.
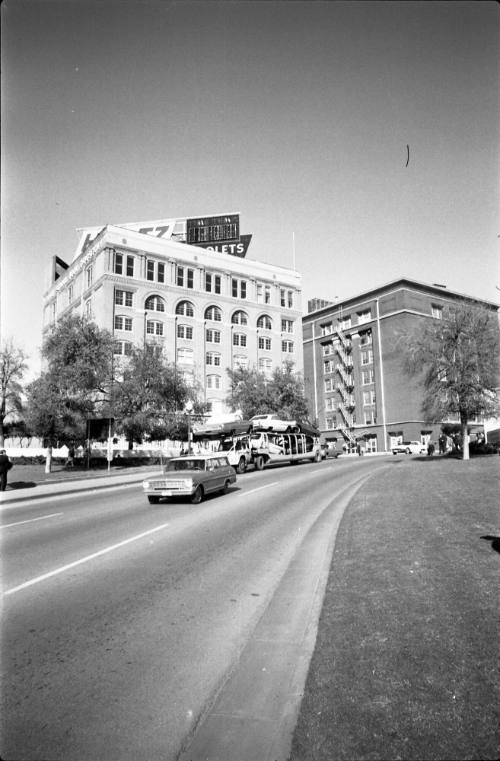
point(405, 665)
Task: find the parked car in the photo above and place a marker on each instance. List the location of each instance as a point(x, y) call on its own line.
point(229, 428)
point(191, 476)
point(273, 423)
point(409, 447)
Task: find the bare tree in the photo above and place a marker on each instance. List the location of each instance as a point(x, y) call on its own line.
point(12, 368)
point(457, 359)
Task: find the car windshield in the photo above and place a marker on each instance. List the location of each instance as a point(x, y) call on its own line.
point(187, 464)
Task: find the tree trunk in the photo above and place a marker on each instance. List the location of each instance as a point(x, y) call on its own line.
point(465, 438)
point(48, 460)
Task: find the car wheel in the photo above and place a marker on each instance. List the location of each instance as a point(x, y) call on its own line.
point(227, 484)
point(242, 465)
point(153, 500)
point(259, 462)
point(408, 451)
point(317, 457)
point(197, 497)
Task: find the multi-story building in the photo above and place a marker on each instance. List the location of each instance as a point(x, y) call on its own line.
point(185, 285)
point(353, 364)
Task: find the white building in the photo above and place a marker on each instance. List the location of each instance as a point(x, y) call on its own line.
point(186, 285)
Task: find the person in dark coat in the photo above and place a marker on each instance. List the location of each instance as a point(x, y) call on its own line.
point(5, 466)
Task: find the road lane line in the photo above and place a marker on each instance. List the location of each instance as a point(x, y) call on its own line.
point(31, 520)
point(252, 491)
point(86, 559)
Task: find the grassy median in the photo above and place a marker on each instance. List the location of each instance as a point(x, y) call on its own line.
point(405, 664)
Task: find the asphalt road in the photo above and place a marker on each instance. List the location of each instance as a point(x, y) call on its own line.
point(123, 620)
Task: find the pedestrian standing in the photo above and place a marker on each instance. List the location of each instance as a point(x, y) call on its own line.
point(430, 448)
point(5, 466)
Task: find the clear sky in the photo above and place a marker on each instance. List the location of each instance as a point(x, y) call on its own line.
point(296, 114)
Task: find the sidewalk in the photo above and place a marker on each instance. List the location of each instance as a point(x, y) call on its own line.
point(31, 481)
point(407, 647)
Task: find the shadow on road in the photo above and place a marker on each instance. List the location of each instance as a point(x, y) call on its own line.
point(22, 485)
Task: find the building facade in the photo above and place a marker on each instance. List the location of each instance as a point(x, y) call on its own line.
point(353, 364)
point(204, 303)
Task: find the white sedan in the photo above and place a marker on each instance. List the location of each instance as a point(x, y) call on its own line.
point(273, 423)
point(409, 447)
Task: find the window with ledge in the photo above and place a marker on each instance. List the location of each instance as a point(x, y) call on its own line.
point(185, 331)
point(123, 348)
point(88, 309)
point(265, 322)
point(154, 304)
point(328, 366)
point(123, 264)
point(286, 298)
point(366, 356)
point(365, 339)
point(364, 316)
point(437, 311)
point(214, 382)
point(239, 318)
point(367, 376)
point(240, 360)
point(155, 271)
point(326, 329)
point(212, 282)
point(185, 356)
point(123, 323)
point(214, 314)
point(185, 309)
point(265, 366)
point(154, 328)
point(213, 336)
point(330, 403)
point(212, 358)
point(238, 288)
point(345, 322)
point(327, 349)
point(124, 298)
point(287, 326)
point(329, 385)
point(184, 277)
point(239, 339)
point(263, 293)
point(264, 343)
point(370, 416)
point(89, 276)
point(287, 347)
point(369, 397)
point(330, 423)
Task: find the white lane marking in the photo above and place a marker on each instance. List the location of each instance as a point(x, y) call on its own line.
point(31, 520)
point(86, 559)
point(275, 483)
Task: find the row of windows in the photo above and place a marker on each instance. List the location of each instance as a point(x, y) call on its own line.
point(156, 328)
point(124, 264)
point(156, 303)
point(345, 322)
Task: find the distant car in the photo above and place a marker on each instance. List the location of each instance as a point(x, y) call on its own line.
point(409, 447)
point(273, 423)
point(191, 476)
point(328, 449)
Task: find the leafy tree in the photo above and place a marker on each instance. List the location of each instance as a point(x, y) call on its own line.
point(149, 396)
point(12, 368)
point(254, 394)
point(73, 387)
point(458, 361)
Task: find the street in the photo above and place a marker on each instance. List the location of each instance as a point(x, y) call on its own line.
point(122, 620)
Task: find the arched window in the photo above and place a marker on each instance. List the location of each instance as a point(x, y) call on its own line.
point(213, 381)
point(265, 322)
point(185, 308)
point(154, 304)
point(213, 313)
point(239, 318)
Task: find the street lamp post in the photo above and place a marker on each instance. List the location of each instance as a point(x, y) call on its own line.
point(188, 409)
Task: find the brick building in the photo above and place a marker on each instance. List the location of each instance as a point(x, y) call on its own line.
point(353, 369)
point(185, 285)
